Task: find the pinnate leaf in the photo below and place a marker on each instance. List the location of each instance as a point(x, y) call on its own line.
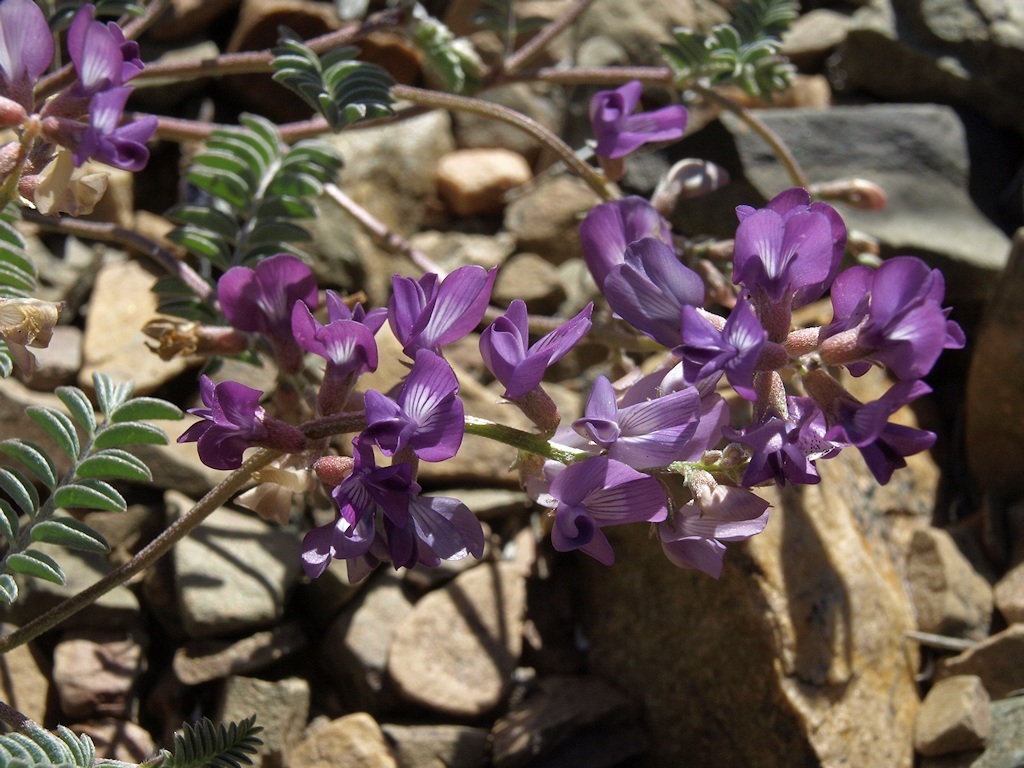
point(34, 563)
point(114, 463)
point(20, 489)
point(57, 426)
point(90, 494)
point(146, 408)
point(71, 533)
point(34, 458)
point(79, 407)
point(129, 433)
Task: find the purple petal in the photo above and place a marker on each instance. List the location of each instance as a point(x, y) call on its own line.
point(458, 307)
point(610, 227)
point(316, 550)
point(26, 44)
point(447, 527)
point(705, 555)
point(408, 300)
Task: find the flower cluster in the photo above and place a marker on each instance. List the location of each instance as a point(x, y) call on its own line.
point(646, 449)
point(84, 119)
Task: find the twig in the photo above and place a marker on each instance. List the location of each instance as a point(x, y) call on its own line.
point(538, 42)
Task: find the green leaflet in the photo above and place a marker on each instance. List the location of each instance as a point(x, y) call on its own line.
point(70, 533)
point(38, 564)
point(34, 458)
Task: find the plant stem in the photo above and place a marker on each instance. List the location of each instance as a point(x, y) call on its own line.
point(777, 145)
point(537, 43)
point(112, 233)
point(524, 441)
point(380, 232)
point(437, 100)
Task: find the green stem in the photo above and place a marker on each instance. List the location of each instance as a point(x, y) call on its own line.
point(524, 441)
point(449, 101)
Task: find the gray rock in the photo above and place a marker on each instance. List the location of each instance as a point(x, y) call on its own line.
point(176, 466)
point(949, 596)
point(200, 661)
point(117, 739)
point(352, 741)
point(476, 131)
point(451, 250)
point(58, 363)
point(917, 153)
point(545, 219)
point(455, 652)
point(281, 707)
point(995, 660)
point(813, 36)
point(995, 386)
point(355, 648)
point(233, 572)
point(1005, 748)
point(437, 746)
point(569, 716)
point(955, 716)
point(94, 673)
point(959, 52)
point(1009, 595)
point(532, 279)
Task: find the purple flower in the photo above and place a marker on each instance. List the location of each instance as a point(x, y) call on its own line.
point(505, 351)
point(439, 529)
point(346, 343)
point(598, 492)
point(426, 416)
point(425, 315)
point(790, 250)
point(694, 535)
point(892, 315)
point(785, 449)
point(232, 421)
point(261, 301)
point(649, 289)
point(734, 350)
point(618, 131)
point(644, 436)
point(102, 57)
point(866, 426)
point(26, 50)
point(610, 227)
point(123, 146)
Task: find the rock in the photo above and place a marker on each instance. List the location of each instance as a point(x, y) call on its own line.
point(961, 53)
point(257, 29)
point(804, 633)
point(546, 218)
point(533, 279)
point(352, 741)
point(24, 682)
point(474, 131)
point(15, 399)
point(813, 36)
point(118, 739)
point(122, 302)
point(117, 609)
point(355, 648)
point(995, 386)
point(233, 572)
point(200, 661)
point(451, 250)
point(187, 17)
point(321, 598)
point(176, 466)
point(126, 532)
point(95, 672)
point(995, 660)
point(473, 182)
point(455, 652)
point(949, 596)
point(281, 707)
point(390, 171)
point(117, 205)
point(437, 746)
point(955, 716)
point(638, 28)
point(918, 153)
point(58, 363)
point(1009, 595)
point(581, 717)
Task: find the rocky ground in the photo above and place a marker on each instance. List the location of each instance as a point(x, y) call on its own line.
point(867, 626)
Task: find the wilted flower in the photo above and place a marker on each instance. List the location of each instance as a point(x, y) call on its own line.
point(27, 323)
point(277, 485)
point(507, 353)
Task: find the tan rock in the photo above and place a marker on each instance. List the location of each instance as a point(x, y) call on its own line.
point(122, 302)
point(118, 739)
point(803, 635)
point(94, 673)
point(281, 707)
point(352, 741)
point(995, 660)
point(23, 683)
point(438, 746)
point(1009, 595)
point(949, 596)
point(532, 279)
point(955, 716)
point(473, 182)
point(186, 17)
point(200, 661)
point(456, 651)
